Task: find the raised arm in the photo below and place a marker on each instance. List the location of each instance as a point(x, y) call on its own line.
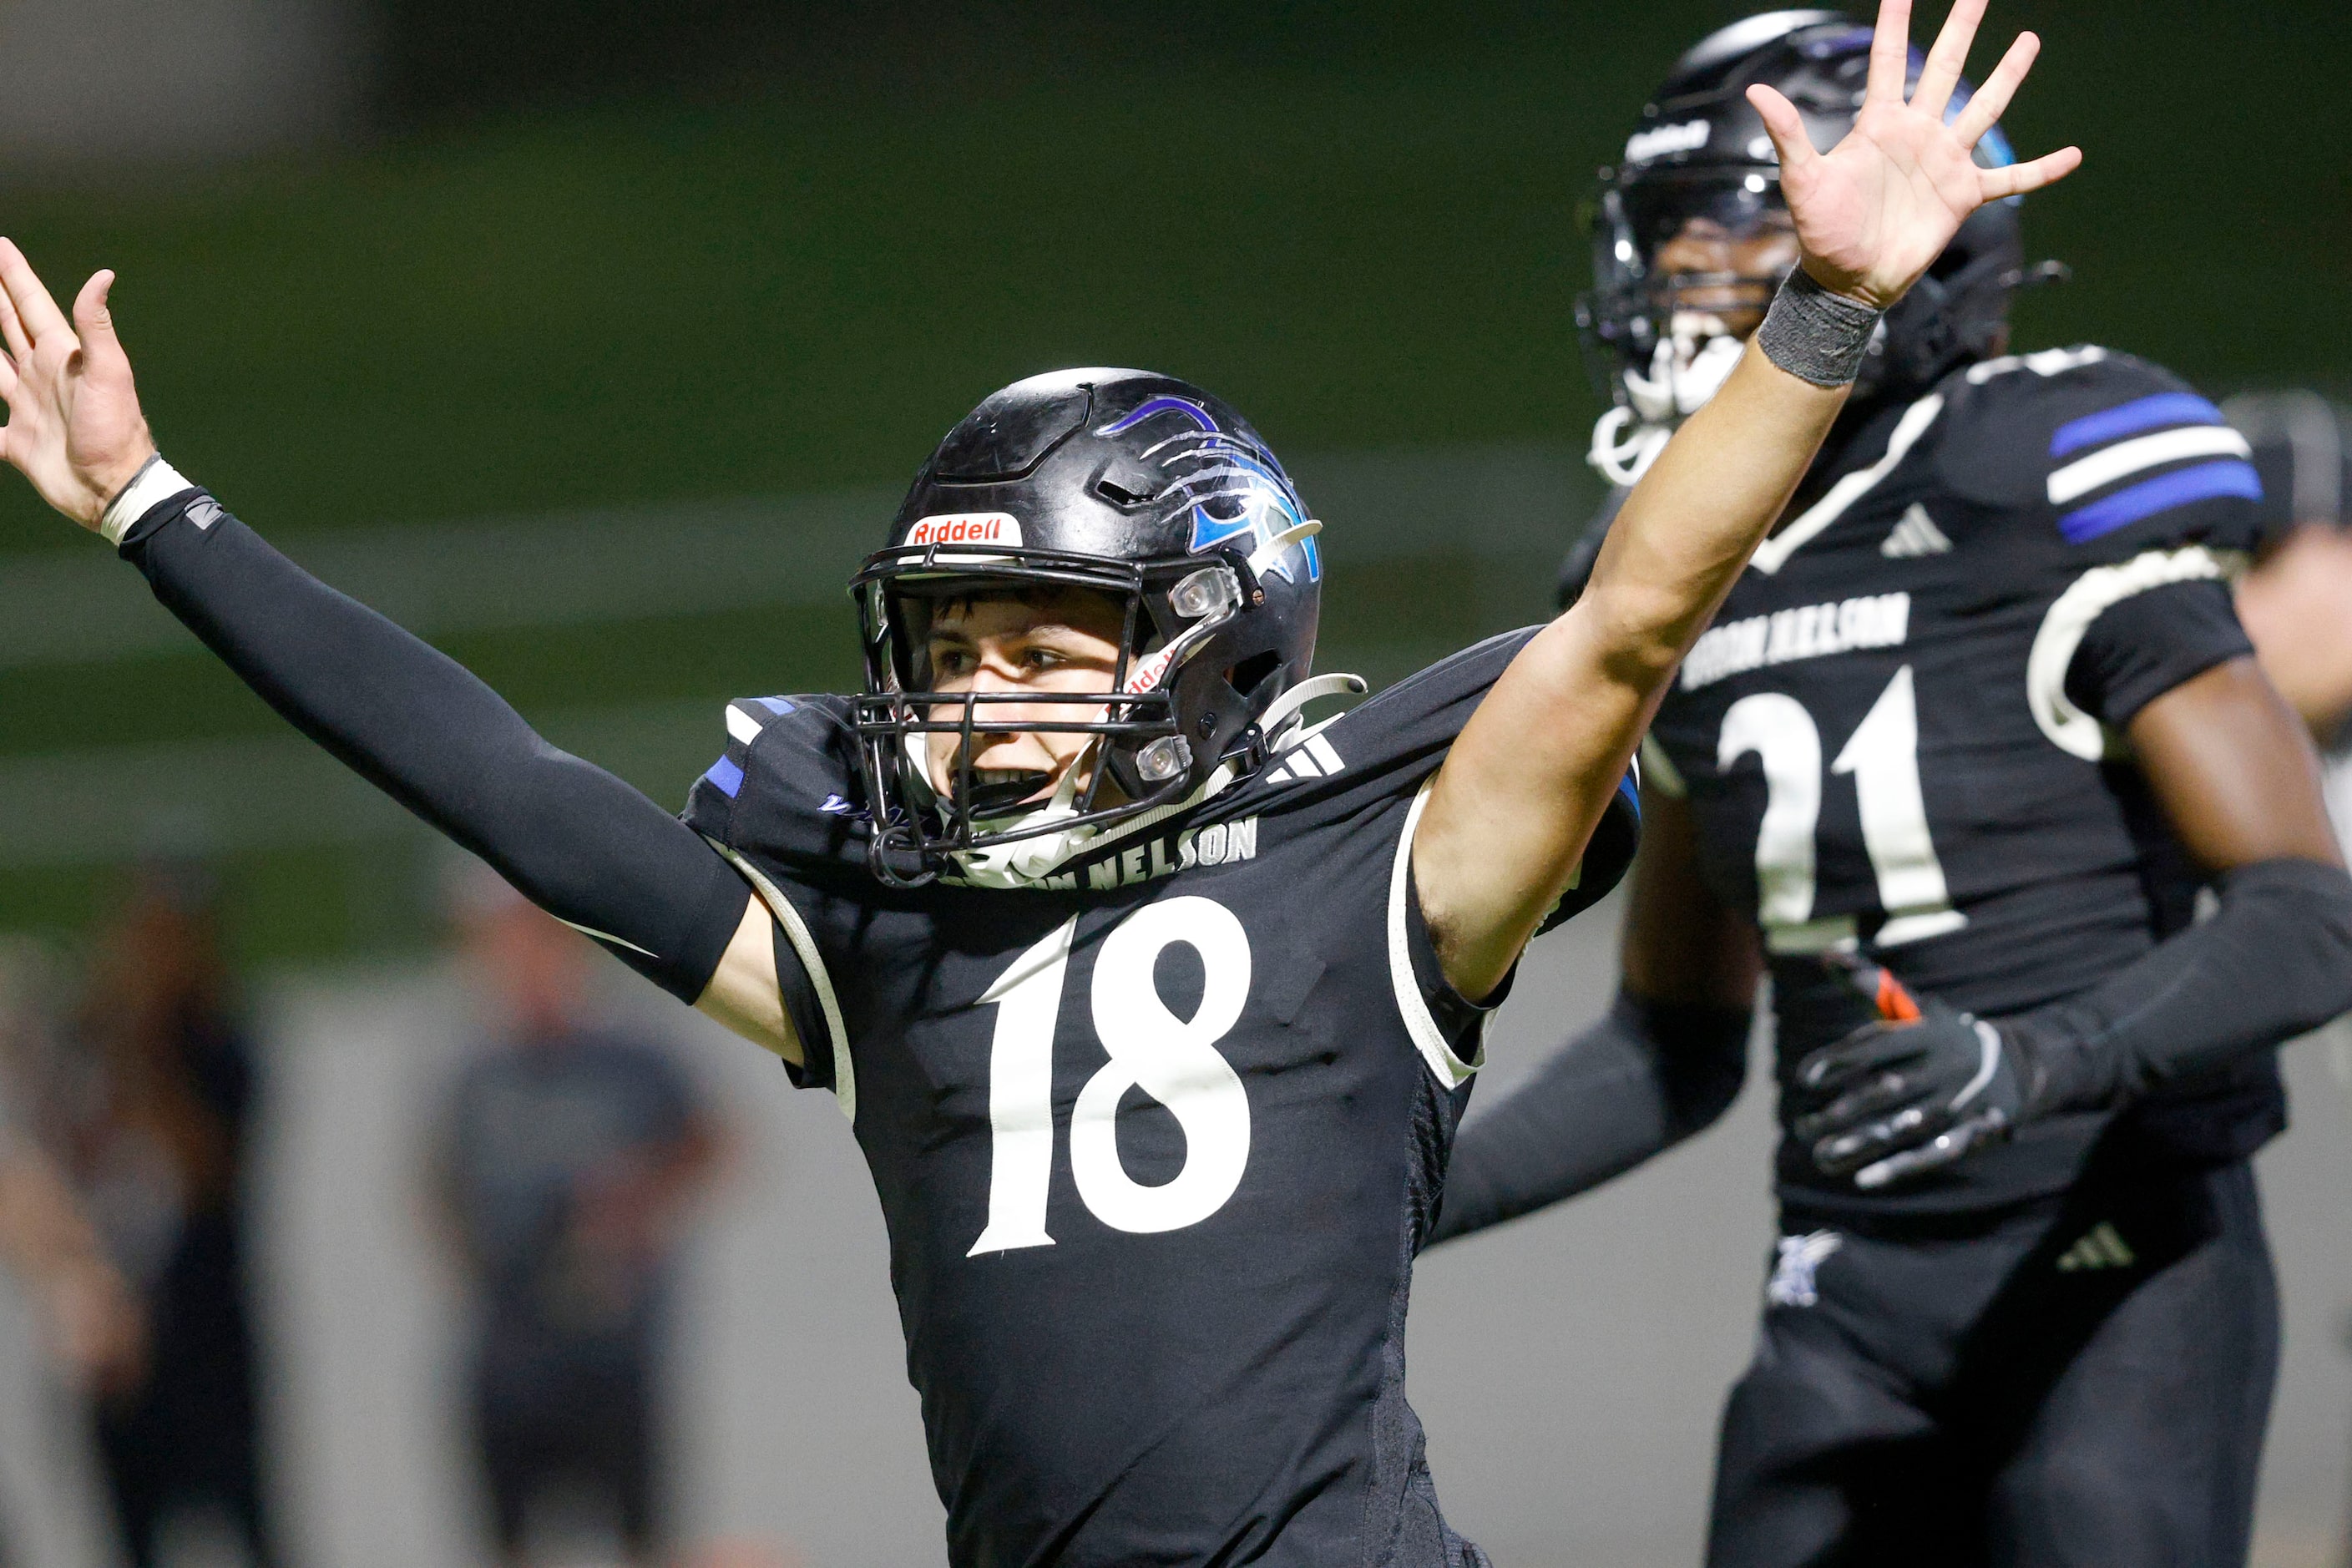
point(1666, 1062)
point(1519, 795)
point(578, 842)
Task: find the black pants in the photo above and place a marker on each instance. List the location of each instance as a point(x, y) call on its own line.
point(589, 1427)
point(2085, 1381)
point(187, 1437)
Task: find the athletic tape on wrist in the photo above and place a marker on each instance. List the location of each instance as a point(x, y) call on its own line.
point(157, 481)
point(1816, 335)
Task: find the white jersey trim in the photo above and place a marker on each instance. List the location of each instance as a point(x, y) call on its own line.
point(2105, 466)
point(1419, 1022)
point(1659, 771)
point(844, 1070)
point(2063, 626)
point(1774, 552)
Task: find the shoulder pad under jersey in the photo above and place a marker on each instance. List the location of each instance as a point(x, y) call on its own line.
point(2103, 451)
point(786, 788)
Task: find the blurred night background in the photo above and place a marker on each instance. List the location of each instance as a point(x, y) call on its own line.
point(592, 339)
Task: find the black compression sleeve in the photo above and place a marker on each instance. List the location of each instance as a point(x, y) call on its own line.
point(2273, 962)
point(1635, 1084)
point(572, 839)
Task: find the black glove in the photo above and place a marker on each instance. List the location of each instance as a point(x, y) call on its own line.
point(1923, 1086)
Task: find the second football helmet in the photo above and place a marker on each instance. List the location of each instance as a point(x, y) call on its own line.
point(1701, 152)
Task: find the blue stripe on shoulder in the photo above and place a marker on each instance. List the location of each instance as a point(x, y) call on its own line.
point(776, 705)
point(726, 776)
point(2162, 493)
point(2130, 418)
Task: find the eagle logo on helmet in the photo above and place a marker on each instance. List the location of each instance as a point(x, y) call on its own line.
point(1231, 487)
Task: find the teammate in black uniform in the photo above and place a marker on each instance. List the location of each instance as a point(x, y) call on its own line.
point(1970, 732)
point(1152, 1006)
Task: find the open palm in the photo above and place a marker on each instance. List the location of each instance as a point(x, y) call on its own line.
point(74, 427)
point(1874, 212)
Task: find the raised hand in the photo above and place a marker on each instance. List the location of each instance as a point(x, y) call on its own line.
point(1874, 212)
point(74, 427)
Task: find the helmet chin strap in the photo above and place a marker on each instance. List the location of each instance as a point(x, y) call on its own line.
point(1027, 860)
point(1688, 367)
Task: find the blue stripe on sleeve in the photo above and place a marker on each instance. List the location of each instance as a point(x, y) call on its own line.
point(727, 776)
point(2130, 418)
point(2162, 493)
point(776, 705)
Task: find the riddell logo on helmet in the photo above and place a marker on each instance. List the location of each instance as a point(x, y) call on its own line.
point(1688, 137)
point(967, 528)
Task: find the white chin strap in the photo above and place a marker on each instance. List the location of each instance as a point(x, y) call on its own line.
point(1025, 860)
point(1687, 369)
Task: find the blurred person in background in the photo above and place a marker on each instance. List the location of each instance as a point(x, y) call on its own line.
point(89, 1322)
point(47, 1238)
point(159, 1136)
point(2297, 601)
point(572, 1154)
point(1972, 730)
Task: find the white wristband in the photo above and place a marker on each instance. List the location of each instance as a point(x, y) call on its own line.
point(157, 481)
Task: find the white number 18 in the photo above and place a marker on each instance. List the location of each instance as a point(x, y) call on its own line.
point(1174, 1060)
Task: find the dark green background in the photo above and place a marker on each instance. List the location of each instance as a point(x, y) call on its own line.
point(597, 254)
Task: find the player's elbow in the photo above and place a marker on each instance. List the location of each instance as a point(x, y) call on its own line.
point(1699, 1055)
point(1702, 1090)
point(1633, 635)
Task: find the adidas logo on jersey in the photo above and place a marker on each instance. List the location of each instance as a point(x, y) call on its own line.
point(1313, 758)
point(2099, 1247)
point(1916, 535)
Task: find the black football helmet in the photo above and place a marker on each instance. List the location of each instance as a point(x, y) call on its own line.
point(1701, 152)
point(1138, 487)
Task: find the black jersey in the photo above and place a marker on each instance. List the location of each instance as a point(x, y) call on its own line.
point(1156, 1137)
point(1905, 724)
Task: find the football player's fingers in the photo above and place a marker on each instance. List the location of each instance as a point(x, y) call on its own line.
point(1941, 73)
point(1946, 1148)
point(1842, 1153)
point(1991, 99)
point(93, 322)
point(2050, 168)
point(1870, 1049)
point(1872, 1097)
point(38, 312)
point(11, 329)
point(1787, 128)
point(1890, 53)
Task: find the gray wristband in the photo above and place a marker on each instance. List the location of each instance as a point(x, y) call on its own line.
point(1816, 335)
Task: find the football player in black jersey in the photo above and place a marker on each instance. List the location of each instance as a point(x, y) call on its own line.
point(1969, 735)
point(1153, 1005)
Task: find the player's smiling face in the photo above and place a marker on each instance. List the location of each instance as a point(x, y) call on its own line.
point(1766, 249)
point(1059, 642)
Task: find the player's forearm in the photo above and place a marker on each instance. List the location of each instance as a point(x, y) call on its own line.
point(1544, 751)
point(2275, 962)
point(1638, 1082)
point(1687, 529)
point(574, 839)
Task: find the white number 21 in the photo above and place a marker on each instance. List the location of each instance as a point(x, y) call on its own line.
point(1174, 1060)
point(1882, 755)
